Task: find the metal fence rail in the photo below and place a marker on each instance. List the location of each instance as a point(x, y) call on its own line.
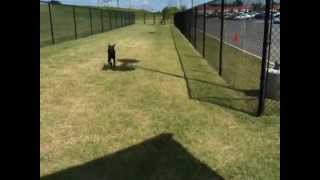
point(242, 42)
point(60, 23)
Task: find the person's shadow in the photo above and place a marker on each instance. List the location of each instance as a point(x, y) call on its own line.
point(161, 157)
point(124, 64)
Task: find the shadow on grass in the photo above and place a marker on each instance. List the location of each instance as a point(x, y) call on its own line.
point(230, 102)
point(126, 64)
point(214, 91)
point(160, 157)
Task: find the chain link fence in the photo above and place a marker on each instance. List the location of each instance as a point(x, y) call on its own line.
point(150, 18)
point(242, 42)
point(60, 23)
point(272, 93)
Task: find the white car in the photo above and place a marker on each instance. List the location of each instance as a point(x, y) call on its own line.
point(252, 14)
point(276, 18)
point(276, 14)
point(243, 16)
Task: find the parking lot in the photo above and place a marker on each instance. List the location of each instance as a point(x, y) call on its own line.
point(246, 35)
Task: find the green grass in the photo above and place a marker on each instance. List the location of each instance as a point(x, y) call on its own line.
point(104, 124)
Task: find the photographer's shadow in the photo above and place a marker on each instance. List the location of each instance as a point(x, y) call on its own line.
point(160, 157)
point(124, 64)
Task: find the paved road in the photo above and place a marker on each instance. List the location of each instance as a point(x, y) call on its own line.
point(246, 34)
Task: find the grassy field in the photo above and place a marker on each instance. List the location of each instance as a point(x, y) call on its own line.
point(139, 121)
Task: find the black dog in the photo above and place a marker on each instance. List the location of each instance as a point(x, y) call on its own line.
point(111, 55)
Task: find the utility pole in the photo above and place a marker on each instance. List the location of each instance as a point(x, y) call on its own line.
point(118, 3)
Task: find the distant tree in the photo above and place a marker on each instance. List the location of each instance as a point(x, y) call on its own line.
point(257, 6)
point(238, 3)
point(55, 2)
point(169, 11)
point(183, 8)
point(276, 3)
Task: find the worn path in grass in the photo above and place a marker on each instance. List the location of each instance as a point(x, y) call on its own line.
point(90, 112)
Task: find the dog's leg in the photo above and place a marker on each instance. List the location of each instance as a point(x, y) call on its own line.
point(114, 62)
point(109, 61)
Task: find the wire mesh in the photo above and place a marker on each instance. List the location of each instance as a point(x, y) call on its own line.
point(272, 103)
point(82, 21)
point(213, 28)
point(63, 23)
point(238, 58)
point(60, 23)
point(45, 31)
point(96, 22)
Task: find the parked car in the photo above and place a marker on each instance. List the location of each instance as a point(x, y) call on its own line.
point(212, 15)
point(230, 16)
point(252, 14)
point(261, 16)
point(276, 20)
point(277, 14)
point(242, 16)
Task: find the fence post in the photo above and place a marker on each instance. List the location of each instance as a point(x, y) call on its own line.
point(187, 24)
point(51, 24)
point(110, 23)
point(144, 18)
point(117, 19)
point(195, 26)
point(127, 18)
point(75, 22)
point(154, 18)
point(204, 30)
point(115, 16)
point(101, 19)
point(221, 38)
point(121, 19)
point(264, 58)
point(90, 14)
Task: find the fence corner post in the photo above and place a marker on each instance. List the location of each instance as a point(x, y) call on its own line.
point(264, 60)
point(221, 38)
point(90, 16)
point(75, 22)
point(101, 17)
point(51, 24)
point(195, 26)
point(204, 30)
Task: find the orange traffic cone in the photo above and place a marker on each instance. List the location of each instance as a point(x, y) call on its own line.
point(236, 37)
